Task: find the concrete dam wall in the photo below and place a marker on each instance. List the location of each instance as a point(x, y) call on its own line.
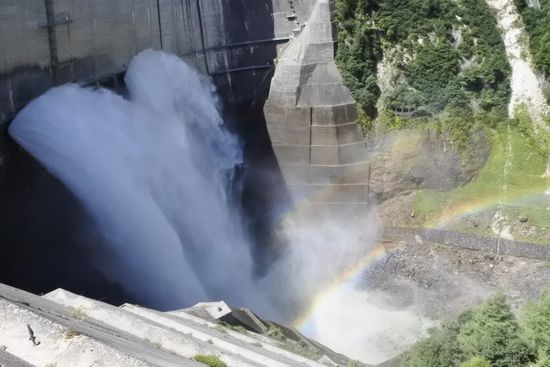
point(310, 115)
point(51, 42)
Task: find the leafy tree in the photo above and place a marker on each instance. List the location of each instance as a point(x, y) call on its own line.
point(358, 51)
point(440, 349)
point(494, 333)
point(489, 336)
point(476, 362)
point(542, 361)
point(537, 324)
point(434, 66)
point(537, 26)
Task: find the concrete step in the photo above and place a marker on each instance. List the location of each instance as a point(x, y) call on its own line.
point(8, 359)
point(260, 350)
point(210, 311)
point(63, 339)
point(55, 344)
point(182, 343)
point(249, 337)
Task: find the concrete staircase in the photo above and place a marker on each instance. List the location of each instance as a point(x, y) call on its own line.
point(65, 329)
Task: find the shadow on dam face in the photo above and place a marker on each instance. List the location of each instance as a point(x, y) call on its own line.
point(46, 238)
point(262, 193)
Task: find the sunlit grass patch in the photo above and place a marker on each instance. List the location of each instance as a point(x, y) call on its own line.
point(209, 360)
point(510, 181)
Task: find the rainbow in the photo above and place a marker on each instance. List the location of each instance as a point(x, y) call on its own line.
point(478, 205)
point(462, 209)
point(308, 204)
point(348, 277)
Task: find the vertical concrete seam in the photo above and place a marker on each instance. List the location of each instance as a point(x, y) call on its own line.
point(203, 43)
point(160, 25)
point(10, 89)
point(134, 41)
point(52, 38)
point(310, 131)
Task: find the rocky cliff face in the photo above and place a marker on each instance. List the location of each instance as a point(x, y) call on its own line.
point(406, 160)
point(526, 85)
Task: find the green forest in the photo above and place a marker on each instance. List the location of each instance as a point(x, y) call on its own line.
point(537, 27)
point(489, 336)
point(448, 56)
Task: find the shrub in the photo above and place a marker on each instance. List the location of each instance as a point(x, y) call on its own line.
point(69, 334)
point(542, 361)
point(209, 360)
point(476, 362)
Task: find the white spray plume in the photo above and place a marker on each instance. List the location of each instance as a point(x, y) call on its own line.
point(153, 172)
point(322, 274)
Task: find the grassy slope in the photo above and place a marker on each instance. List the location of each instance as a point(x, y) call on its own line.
point(524, 194)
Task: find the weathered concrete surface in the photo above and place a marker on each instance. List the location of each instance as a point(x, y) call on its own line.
point(273, 345)
point(72, 330)
point(207, 310)
point(55, 343)
point(255, 349)
point(175, 341)
point(312, 120)
point(49, 42)
point(7, 359)
point(64, 319)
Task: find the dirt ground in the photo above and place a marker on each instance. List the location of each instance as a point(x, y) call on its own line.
point(441, 281)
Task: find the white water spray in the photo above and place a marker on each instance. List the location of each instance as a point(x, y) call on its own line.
point(153, 171)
